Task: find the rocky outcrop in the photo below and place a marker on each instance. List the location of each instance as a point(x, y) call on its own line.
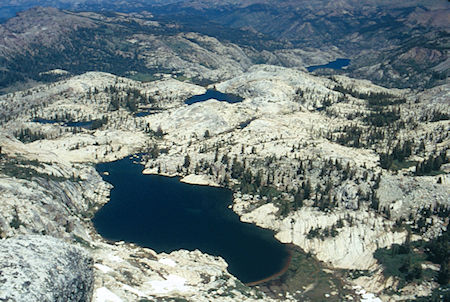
point(41, 268)
point(344, 239)
point(126, 272)
point(202, 180)
point(51, 198)
point(404, 196)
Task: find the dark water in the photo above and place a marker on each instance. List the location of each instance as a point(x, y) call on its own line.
point(87, 124)
point(166, 215)
point(214, 94)
point(338, 64)
point(142, 113)
point(147, 112)
point(246, 123)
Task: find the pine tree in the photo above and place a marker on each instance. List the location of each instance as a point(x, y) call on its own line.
point(298, 198)
point(187, 161)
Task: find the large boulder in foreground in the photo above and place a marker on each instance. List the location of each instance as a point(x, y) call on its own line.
point(42, 268)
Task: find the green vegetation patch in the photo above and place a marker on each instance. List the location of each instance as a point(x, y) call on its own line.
point(27, 135)
point(438, 295)
point(81, 241)
point(374, 99)
point(381, 118)
point(400, 165)
point(308, 280)
point(405, 261)
point(400, 261)
point(26, 169)
point(432, 165)
point(144, 77)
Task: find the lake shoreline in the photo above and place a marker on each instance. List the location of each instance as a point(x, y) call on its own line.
point(276, 275)
point(252, 255)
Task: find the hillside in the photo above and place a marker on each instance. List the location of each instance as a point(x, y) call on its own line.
point(43, 39)
point(395, 44)
point(399, 45)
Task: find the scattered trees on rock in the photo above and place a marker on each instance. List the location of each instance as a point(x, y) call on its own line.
point(400, 152)
point(126, 97)
point(432, 164)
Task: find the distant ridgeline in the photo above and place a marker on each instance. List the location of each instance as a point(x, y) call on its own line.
point(416, 55)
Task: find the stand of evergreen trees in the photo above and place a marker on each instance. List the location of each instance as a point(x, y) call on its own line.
point(98, 123)
point(432, 164)
point(404, 261)
point(27, 135)
point(438, 251)
point(400, 152)
point(435, 116)
point(128, 98)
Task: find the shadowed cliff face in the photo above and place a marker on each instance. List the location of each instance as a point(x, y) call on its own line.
point(44, 269)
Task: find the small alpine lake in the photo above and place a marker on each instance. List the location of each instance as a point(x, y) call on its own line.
point(85, 124)
point(164, 214)
point(337, 64)
point(214, 94)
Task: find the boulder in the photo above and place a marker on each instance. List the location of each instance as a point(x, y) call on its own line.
point(42, 268)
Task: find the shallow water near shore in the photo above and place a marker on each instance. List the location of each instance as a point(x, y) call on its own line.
point(164, 214)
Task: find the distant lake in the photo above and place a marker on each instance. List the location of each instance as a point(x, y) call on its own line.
point(214, 94)
point(338, 64)
point(86, 124)
point(164, 214)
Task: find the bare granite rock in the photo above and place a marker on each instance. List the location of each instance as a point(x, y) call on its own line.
point(42, 268)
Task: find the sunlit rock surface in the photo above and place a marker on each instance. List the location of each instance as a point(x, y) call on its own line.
point(42, 268)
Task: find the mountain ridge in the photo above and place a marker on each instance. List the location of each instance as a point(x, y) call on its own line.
point(393, 47)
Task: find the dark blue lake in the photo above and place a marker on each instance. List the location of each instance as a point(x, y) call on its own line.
point(142, 113)
point(164, 214)
point(214, 94)
point(338, 64)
